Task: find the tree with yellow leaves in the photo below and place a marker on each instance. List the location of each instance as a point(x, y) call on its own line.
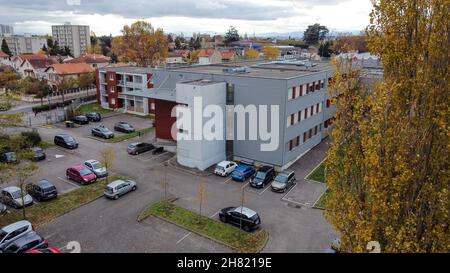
point(142, 44)
point(388, 166)
point(251, 54)
point(271, 53)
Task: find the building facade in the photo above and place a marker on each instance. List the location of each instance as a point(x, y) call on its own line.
point(298, 89)
point(75, 37)
point(24, 44)
point(6, 30)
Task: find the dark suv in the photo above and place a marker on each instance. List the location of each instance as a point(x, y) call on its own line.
point(284, 181)
point(82, 120)
point(38, 154)
point(10, 158)
point(102, 132)
point(124, 127)
point(66, 141)
point(42, 191)
point(242, 217)
point(264, 176)
point(94, 117)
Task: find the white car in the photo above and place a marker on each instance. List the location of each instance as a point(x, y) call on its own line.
point(14, 231)
point(225, 168)
point(12, 196)
point(97, 168)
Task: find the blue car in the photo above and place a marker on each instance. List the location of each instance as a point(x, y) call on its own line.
point(242, 172)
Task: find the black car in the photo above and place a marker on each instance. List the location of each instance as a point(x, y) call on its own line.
point(139, 148)
point(124, 127)
point(38, 154)
point(82, 120)
point(94, 117)
point(28, 242)
point(264, 176)
point(102, 132)
point(10, 158)
point(42, 190)
point(66, 141)
point(242, 217)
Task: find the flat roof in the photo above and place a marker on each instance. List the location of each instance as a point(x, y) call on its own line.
point(280, 69)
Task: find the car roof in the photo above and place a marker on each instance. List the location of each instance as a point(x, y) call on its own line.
point(265, 168)
point(45, 184)
point(242, 167)
point(246, 211)
point(63, 135)
point(224, 163)
point(136, 143)
point(11, 189)
point(116, 183)
point(92, 161)
point(30, 236)
point(16, 225)
point(79, 167)
point(286, 172)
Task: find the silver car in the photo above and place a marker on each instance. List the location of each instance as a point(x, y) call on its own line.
point(13, 232)
point(283, 181)
point(96, 168)
point(119, 187)
point(12, 196)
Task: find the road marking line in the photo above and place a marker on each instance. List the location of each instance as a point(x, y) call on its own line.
point(320, 197)
point(160, 155)
point(228, 180)
point(267, 187)
point(184, 237)
point(289, 192)
point(214, 215)
point(308, 175)
point(68, 182)
point(243, 187)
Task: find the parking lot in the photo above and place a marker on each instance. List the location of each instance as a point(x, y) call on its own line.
point(111, 226)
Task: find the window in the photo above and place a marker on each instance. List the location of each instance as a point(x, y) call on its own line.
point(111, 77)
point(317, 108)
point(301, 91)
point(322, 84)
point(291, 145)
point(312, 110)
point(112, 89)
point(290, 92)
point(297, 141)
point(292, 119)
point(305, 137)
point(307, 88)
point(113, 101)
point(306, 113)
point(294, 92)
point(328, 103)
point(318, 86)
point(316, 130)
point(312, 87)
point(310, 133)
point(299, 115)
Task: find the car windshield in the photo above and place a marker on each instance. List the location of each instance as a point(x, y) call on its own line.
point(11, 156)
point(97, 166)
point(126, 125)
point(261, 175)
point(104, 130)
point(17, 194)
point(84, 172)
point(254, 217)
point(2, 235)
point(69, 139)
point(281, 179)
point(49, 189)
point(220, 168)
point(109, 190)
point(131, 146)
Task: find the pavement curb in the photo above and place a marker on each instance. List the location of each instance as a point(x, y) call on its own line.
point(187, 171)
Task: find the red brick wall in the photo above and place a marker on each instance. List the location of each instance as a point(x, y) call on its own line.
point(164, 121)
point(108, 91)
point(150, 101)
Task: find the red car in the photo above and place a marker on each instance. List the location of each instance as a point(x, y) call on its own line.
point(81, 175)
point(49, 250)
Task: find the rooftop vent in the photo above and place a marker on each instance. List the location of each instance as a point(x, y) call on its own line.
point(236, 70)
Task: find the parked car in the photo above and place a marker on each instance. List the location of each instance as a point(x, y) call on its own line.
point(29, 241)
point(124, 127)
point(10, 158)
point(158, 150)
point(12, 196)
point(49, 250)
point(14, 231)
point(96, 168)
point(225, 168)
point(82, 120)
point(118, 188)
point(102, 132)
point(81, 174)
point(242, 172)
point(283, 181)
point(66, 141)
point(242, 217)
point(42, 190)
point(38, 154)
point(263, 177)
point(139, 148)
point(3, 209)
point(94, 117)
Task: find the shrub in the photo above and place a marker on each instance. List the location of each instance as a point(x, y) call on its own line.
point(32, 137)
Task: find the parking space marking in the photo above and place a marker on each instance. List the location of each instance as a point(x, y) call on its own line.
point(68, 182)
point(267, 187)
point(228, 180)
point(296, 184)
point(245, 186)
point(214, 215)
point(184, 237)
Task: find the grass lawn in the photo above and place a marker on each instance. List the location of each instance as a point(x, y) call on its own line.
point(227, 234)
point(318, 174)
point(45, 212)
point(45, 145)
point(93, 107)
point(128, 136)
point(321, 203)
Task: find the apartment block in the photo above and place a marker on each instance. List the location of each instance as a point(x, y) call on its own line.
point(6, 30)
point(75, 37)
point(24, 44)
point(298, 88)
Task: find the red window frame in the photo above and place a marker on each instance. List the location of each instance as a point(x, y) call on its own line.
point(294, 92)
point(328, 103)
point(306, 113)
point(307, 88)
point(310, 133)
point(299, 116)
point(316, 129)
point(292, 119)
point(305, 137)
point(317, 108)
point(301, 90)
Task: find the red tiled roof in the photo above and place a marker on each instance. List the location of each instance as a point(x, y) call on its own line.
point(3, 54)
point(41, 63)
point(206, 52)
point(90, 59)
point(227, 55)
point(67, 69)
point(30, 56)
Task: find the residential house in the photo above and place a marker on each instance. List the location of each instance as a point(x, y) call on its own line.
point(228, 55)
point(18, 60)
point(4, 58)
point(94, 60)
point(35, 68)
point(59, 72)
point(208, 56)
point(174, 58)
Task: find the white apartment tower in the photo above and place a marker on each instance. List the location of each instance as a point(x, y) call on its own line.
point(75, 37)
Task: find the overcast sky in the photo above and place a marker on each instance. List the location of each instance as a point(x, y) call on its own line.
point(249, 16)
